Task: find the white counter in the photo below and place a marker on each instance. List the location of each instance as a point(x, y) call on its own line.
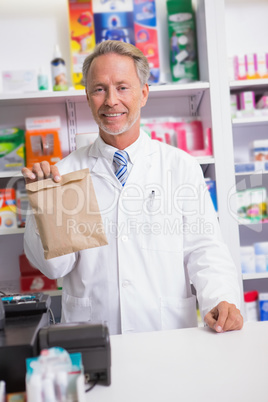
point(188, 365)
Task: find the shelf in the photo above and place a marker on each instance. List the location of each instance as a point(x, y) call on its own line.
point(11, 231)
point(10, 174)
point(260, 275)
point(254, 172)
point(248, 84)
point(246, 121)
point(14, 99)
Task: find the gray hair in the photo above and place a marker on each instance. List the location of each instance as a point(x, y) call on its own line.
point(123, 49)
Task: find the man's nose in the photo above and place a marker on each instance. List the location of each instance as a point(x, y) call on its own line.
point(111, 97)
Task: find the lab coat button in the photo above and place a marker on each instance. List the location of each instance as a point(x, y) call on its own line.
point(125, 284)
point(124, 238)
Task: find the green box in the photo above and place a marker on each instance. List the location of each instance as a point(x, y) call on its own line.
point(182, 35)
point(12, 149)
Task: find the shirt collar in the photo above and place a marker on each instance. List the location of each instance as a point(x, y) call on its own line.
point(107, 151)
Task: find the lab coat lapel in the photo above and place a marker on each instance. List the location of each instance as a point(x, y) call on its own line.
point(141, 169)
point(100, 166)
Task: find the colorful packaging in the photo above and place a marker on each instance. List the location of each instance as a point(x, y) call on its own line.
point(114, 20)
point(22, 203)
point(82, 37)
point(263, 306)
point(182, 35)
point(211, 186)
point(12, 149)
point(42, 140)
point(247, 101)
point(31, 279)
point(58, 71)
point(240, 72)
point(259, 150)
point(146, 39)
point(251, 65)
point(262, 65)
point(8, 219)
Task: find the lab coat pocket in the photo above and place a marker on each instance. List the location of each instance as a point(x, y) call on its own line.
point(76, 309)
point(178, 313)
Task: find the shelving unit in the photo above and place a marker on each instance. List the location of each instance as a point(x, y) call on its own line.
point(241, 40)
point(208, 99)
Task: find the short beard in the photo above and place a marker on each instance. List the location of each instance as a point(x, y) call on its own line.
point(124, 129)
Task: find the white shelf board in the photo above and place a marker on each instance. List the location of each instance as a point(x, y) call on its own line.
point(259, 275)
point(257, 172)
point(10, 174)
point(246, 84)
point(205, 160)
point(246, 121)
point(13, 99)
point(11, 231)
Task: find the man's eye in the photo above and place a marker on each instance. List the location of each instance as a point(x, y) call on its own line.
point(98, 89)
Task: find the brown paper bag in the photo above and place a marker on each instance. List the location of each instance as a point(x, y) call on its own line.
point(67, 214)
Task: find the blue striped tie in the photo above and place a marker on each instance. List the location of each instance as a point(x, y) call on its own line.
point(120, 160)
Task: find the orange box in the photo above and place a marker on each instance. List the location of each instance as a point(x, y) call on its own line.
point(42, 145)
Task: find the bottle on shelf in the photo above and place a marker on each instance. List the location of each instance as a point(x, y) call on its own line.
point(58, 71)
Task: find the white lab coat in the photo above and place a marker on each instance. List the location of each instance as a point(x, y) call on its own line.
point(162, 232)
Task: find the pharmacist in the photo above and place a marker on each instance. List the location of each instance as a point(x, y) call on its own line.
point(160, 223)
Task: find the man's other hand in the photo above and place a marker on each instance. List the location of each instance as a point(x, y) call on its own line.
point(224, 317)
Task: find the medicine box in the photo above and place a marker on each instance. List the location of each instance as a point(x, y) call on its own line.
point(19, 81)
point(32, 279)
point(82, 37)
point(263, 306)
point(8, 218)
point(12, 149)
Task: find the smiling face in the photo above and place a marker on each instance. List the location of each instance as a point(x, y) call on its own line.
point(115, 96)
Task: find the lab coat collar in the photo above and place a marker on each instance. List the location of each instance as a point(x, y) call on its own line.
point(102, 166)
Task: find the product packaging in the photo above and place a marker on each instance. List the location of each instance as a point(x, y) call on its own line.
point(32, 280)
point(22, 203)
point(251, 305)
point(19, 81)
point(58, 71)
point(182, 36)
point(247, 259)
point(259, 150)
point(8, 219)
point(12, 149)
point(67, 214)
point(211, 186)
point(263, 306)
point(262, 65)
point(82, 37)
point(114, 20)
point(247, 103)
point(251, 65)
point(146, 37)
point(233, 105)
point(55, 375)
point(42, 140)
point(42, 80)
point(240, 72)
point(251, 205)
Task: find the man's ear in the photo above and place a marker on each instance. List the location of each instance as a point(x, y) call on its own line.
point(88, 101)
point(145, 94)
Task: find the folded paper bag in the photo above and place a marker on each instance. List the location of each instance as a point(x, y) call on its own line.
point(67, 214)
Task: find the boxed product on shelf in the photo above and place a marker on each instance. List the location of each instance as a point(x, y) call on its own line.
point(250, 66)
point(146, 36)
point(114, 20)
point(8, 218)
point(252, 205)
point(22, 203)
point(42, 140)
point(186, 134)
point(263, 306)
point(251, 305)
point(247, 259)
point(19, 81)
point(211, 186)
point(31, 279)
point(259, 150)
point(182, 39)
point(82, 37)
point(12, 149)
